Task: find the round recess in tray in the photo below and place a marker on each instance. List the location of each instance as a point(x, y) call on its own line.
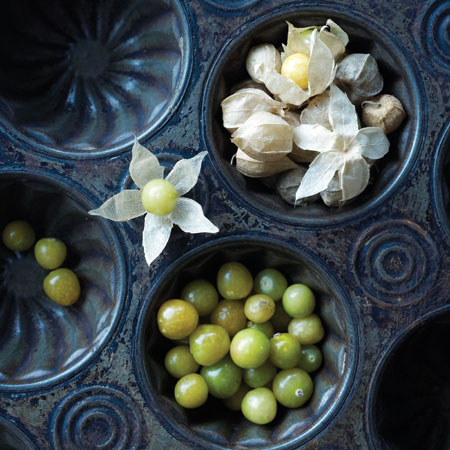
point(400, 79)
point(212, 426)
point(43, 342)
point(80, 79)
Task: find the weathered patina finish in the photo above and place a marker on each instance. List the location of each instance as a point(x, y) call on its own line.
point(78, 81)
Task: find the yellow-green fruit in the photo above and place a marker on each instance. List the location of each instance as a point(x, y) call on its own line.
point(18, 236)
point(50, 253)
point(296, 67)
point(62, 286)
point(159, 197)
point(176, 319)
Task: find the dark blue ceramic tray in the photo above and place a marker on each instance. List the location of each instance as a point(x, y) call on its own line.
point(77, 81)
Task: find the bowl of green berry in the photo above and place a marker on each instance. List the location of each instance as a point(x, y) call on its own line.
point(62, 282)
point(246, 343)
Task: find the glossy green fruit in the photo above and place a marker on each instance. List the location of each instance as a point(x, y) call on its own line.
point(18, 236)
point(179, 361)
point(191, 391)
point(62, 286)
point(260, 376)
point(50, 253)
point(281, 319)
point(270, 282)
point(299, 300)
point(234, 402)
point(159, 197)
point(265, 327)
point(176, 319)
point(259, 406)
point(307, 330)
point(234, 281)
point(311, 358)
point(209, 344)
point(229, 314)
point(202, 295)
point(259, 308)
point(292, 387)
point(249, 348)
point(223, 378)
point(285, 351)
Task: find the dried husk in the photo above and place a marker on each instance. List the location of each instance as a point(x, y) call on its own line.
point(321, 73)
point(317, 111)
point(332, 195)
point(359, 75)
point(262, 60)
point(264, 136)
point(384, 111)
point(297, 154)
point(342, 150)
point(296, 41)
point(288, 183)
point(237, 108)
point(332, 35)
point(248, 84)
point(254, 168)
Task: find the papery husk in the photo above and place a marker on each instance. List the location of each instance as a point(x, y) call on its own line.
point(359, 76)
point(264, 136)
point(296, 42)
point(254, 168)
point(332, 35)
point(248, 84)
point(297, 154)
point(317, 111)
point(288, 183)
point(261, 60)
point(332, 195)
point(321, 72)
point(237, 108)
point(384, 111)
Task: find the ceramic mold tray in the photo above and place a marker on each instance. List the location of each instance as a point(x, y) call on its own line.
point(78, 81)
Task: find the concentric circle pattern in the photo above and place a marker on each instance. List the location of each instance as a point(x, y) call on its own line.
point(84, 77)
point(395, 263)
point(409, 399)
point(435, 33)
point(41, 341)
point(97, 418)
point(212, 426)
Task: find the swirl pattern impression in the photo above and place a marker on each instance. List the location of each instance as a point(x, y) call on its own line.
point(435, 33)
point(87, 76)
point(395, 263)
point(97, 417)
point(41, 341)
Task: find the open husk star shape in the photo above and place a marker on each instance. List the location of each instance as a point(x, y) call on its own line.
point(345, 149)
point(323, 48)
point(188, 214)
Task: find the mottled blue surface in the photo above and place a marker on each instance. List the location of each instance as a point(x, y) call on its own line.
point(77, 80)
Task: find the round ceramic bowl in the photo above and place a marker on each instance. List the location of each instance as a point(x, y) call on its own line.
point(80, 79)
point(42, 341)
point(213, 426)
point(408, 404)
point(400, 79)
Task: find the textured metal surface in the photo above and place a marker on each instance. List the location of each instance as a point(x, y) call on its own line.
point(83, 378)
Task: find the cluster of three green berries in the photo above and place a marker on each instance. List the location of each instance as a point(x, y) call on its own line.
point(61, 285)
